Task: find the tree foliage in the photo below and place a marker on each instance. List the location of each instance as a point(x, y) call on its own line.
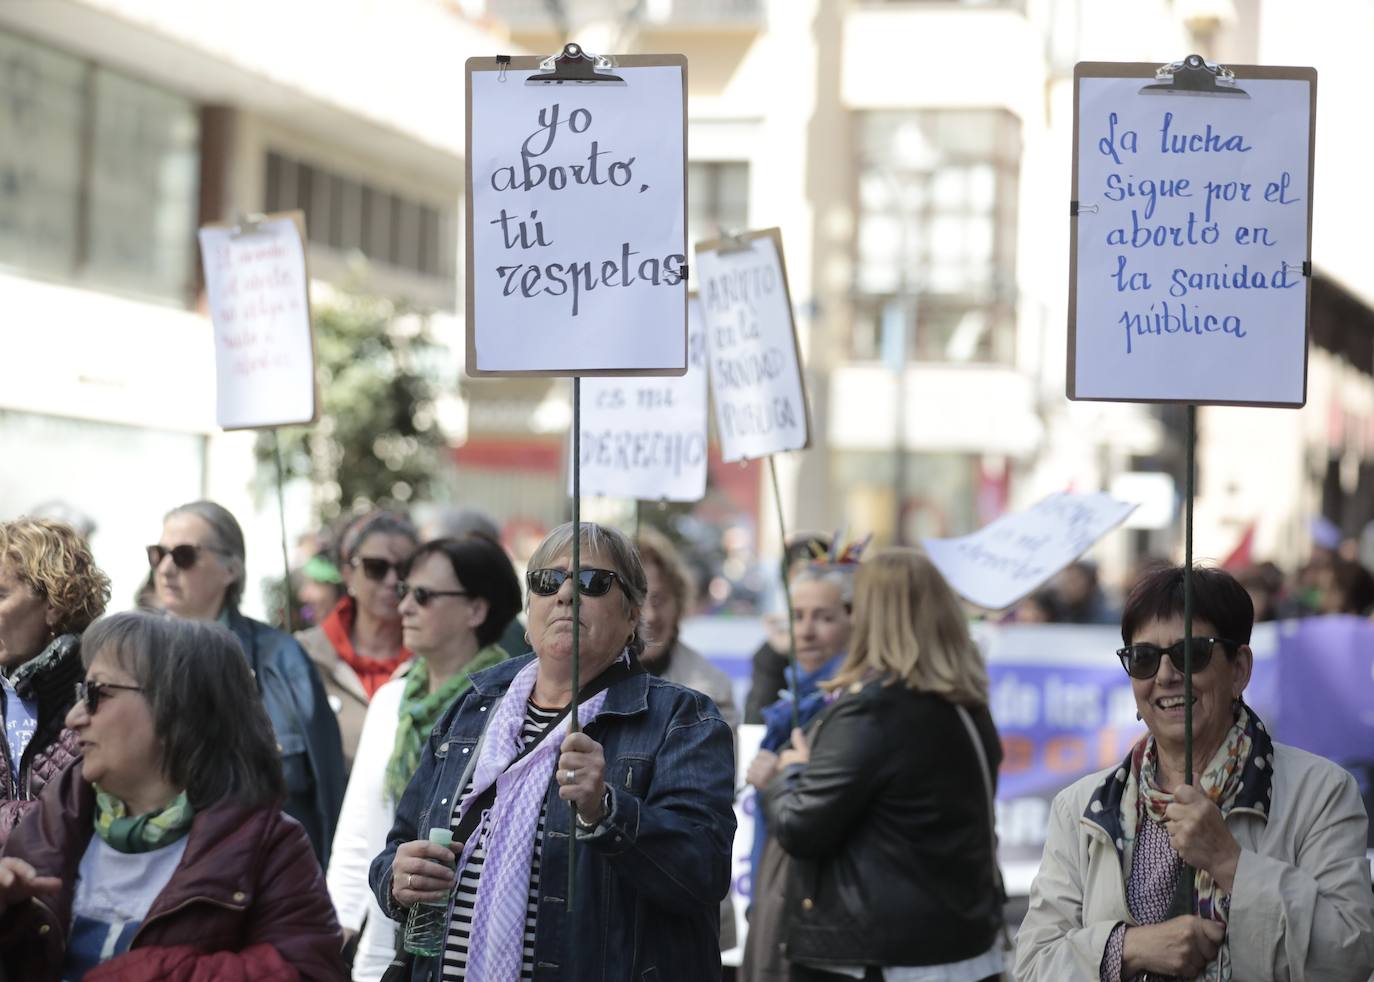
point(376, 442)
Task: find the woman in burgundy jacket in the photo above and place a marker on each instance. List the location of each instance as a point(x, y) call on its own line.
point(165, 854)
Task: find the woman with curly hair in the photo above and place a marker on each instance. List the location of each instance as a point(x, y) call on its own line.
point(50, 592)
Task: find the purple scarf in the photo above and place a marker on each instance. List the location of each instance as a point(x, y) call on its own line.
point(498, 917)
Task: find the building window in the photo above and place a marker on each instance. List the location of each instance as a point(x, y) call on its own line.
point(348, 215)
point(98, 175)
point(717, 199)
point(936, 238)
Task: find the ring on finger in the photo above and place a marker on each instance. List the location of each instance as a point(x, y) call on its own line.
point(569, 776)
point(410, 880)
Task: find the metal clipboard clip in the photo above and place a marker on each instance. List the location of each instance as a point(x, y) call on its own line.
point(575, 65)
point(249, 224)
point(734, 240)
point(1194, 75)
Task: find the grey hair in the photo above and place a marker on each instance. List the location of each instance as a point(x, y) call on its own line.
point(615, 547)
point(217, 741)
point(837, 574)
point(454, 523)
point(228, 537)
point(374, 523)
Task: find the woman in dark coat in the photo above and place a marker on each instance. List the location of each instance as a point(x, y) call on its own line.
point(885, 810)
point(165, 854)
point(50, 591)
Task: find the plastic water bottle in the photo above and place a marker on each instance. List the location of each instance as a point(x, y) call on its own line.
point(427, 923)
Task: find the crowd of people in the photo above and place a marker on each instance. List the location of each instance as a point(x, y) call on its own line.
point(1332, 581)
point(193, 794)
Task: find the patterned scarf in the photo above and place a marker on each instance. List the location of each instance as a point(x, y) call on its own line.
point(421, 709)
point(141, 833)
point(498, 915)
point(1237, 778)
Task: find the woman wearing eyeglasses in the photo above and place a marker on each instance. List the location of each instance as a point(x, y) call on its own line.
point(50, 591)
point(198, 566)
point(358, 647)
point(649, 779)
point(164, 854)
point(1276, 836)
point(456, 599)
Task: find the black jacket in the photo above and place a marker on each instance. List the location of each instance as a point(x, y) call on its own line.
point(50, 680)
point(889, 830)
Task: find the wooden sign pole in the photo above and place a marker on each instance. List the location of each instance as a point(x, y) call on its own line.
point(787, 596)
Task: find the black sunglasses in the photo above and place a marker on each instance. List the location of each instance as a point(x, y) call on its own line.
point(1141, 661)
point(423, 594)
point(373, 568)
point(183, 556)
point(91, 693)
point(590, 582)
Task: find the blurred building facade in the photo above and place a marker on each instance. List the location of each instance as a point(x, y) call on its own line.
point(126, 124)
point(915, 154)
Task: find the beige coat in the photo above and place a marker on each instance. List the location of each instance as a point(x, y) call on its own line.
point(1301, 907)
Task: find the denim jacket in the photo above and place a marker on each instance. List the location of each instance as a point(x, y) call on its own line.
point(307, 733)
point(649, 878)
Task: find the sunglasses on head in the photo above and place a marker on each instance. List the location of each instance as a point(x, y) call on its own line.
point(590, 582)
point(423, 594)
point(1141, 661)
point(91, 693)
point(183, 556)
point(373, 568)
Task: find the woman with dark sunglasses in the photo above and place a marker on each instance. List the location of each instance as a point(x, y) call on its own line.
point(648, 775)
point(164, 853)
point(358, 647)
point(199, 572)
point(1273, 838)
point(50, 591)
point(457, 596)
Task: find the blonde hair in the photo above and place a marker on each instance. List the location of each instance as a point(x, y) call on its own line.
point(909, 627)
point(656, 550)
point(55, 562)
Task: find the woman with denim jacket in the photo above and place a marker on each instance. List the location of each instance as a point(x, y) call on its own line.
point(649, 776)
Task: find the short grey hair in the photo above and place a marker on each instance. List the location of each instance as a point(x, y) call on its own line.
point(837, 574)
point(613, 546)
point(196, 681)
point(228, 538)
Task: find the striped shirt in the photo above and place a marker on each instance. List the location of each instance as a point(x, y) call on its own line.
point(537, 722)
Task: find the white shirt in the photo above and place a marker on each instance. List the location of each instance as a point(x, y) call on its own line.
point(114, 891)
point(364, 822)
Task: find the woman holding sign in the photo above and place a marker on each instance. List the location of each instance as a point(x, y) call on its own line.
point(1275, 836)
point(649, 773)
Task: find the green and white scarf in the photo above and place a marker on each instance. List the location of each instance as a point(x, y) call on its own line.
point(141, 833)
point(421, 709)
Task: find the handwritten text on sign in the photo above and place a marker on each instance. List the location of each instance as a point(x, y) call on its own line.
point(646, 437)
point(998, 565)
point(264, 360)
point(755, 376)
point(577, 219)
point(1190, 280)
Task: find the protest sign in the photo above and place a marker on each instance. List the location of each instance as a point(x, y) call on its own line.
point(756, 380)
point(1191, 238)
point(646, 437)
point(576, 221)
point(1002, 562)
point(257, 288)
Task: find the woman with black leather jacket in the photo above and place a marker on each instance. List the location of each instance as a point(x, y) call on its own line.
point(884, 808)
